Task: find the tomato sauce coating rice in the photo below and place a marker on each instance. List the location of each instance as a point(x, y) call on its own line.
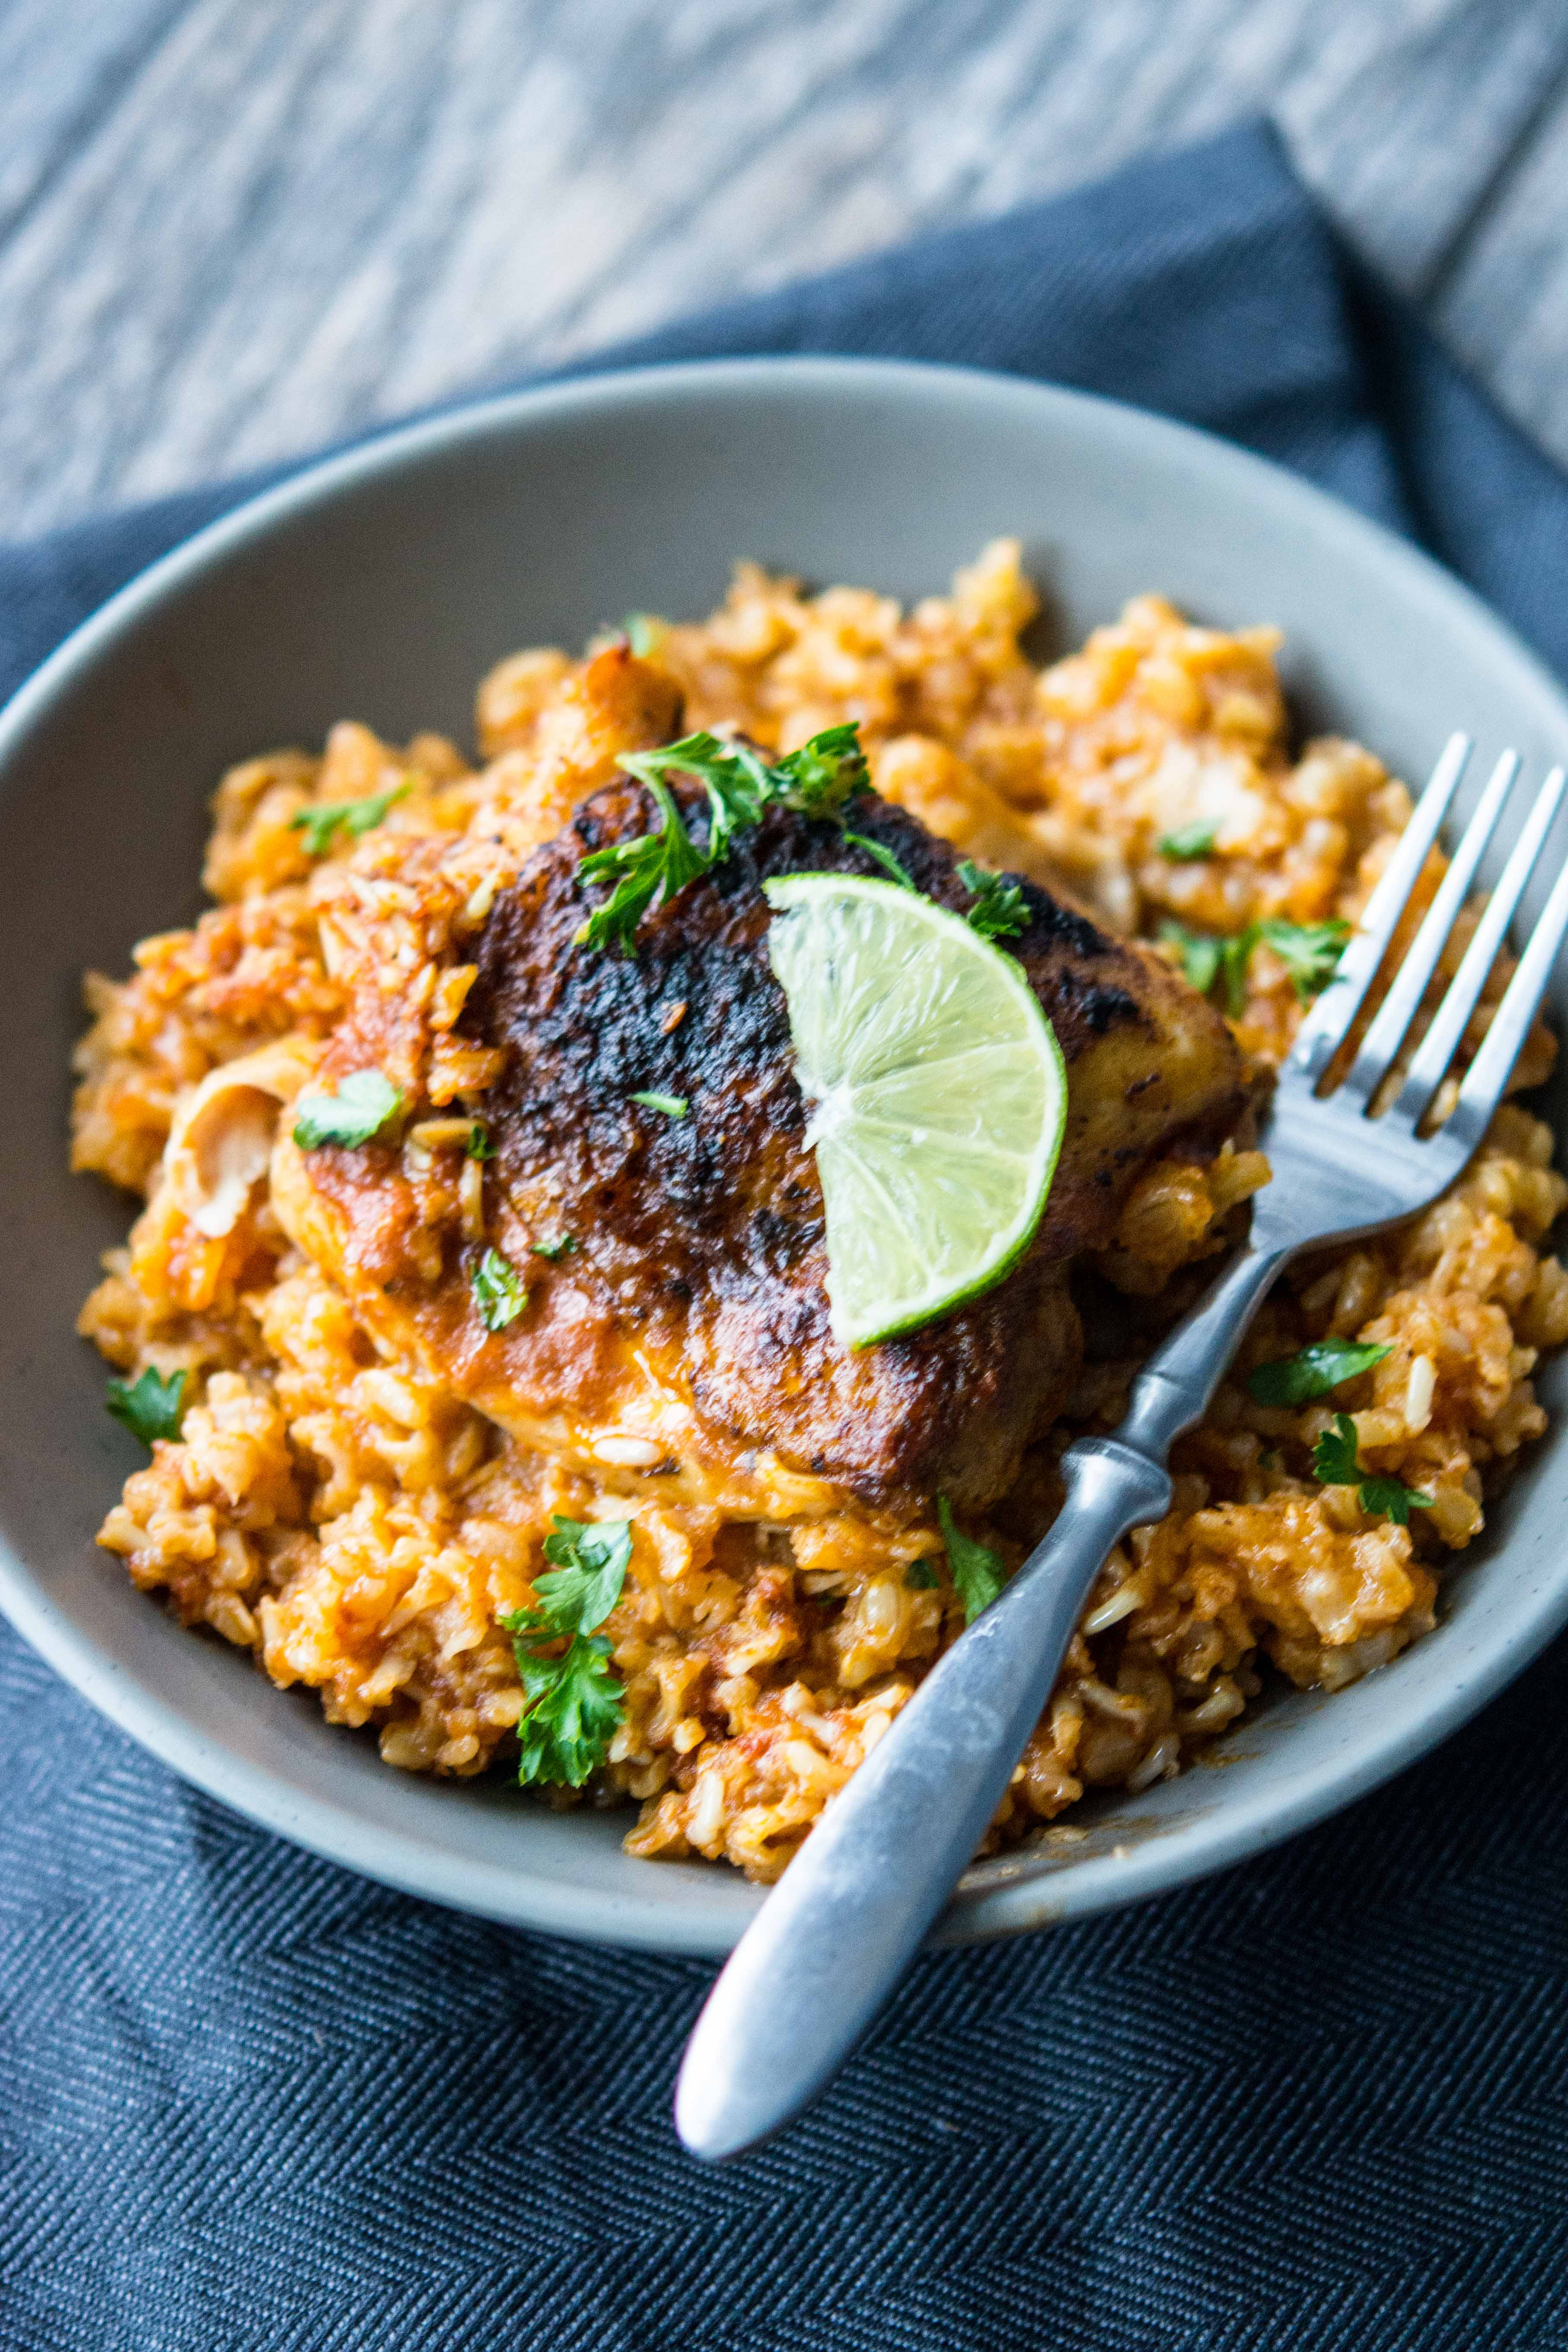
point(359, 1528)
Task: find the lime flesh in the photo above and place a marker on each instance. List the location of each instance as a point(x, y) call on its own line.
point(939, 1096)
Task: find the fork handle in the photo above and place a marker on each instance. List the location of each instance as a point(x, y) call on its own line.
point(830, 1943)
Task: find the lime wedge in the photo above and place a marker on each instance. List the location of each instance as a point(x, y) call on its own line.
point(938, 1093)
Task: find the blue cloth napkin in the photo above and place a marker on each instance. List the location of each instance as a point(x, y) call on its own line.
point(251, 2103)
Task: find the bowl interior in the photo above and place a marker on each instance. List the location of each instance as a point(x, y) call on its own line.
point(381, 587)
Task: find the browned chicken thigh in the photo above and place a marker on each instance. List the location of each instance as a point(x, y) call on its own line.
point(678, 1327)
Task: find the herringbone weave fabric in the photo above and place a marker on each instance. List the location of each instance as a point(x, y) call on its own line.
point(250, 2103)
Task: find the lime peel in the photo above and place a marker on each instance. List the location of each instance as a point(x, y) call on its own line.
point(938, 1093)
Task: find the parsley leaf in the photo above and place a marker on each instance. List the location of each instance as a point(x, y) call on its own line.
point(1189, 841)
point(1206, 959)
point(572, 1710)
point(1234, 955)
point(1393, 1498)
point(921, 1576)
point(319, 825)
point(565, 1247)
point(1314, 1371)
point(363, 1106)
point(647, 871)
point(573, 1703)
point(735, 778)
point(149, 1407)
point(498, 1293)
point(883, 857)
point(823, 774)
point(1199, 952)
point(1310, 952)
point(1334, 1460)
point(590, 1560)
point(999, 911)
point(976, 1572)
point(672, 1106)
point(815, 781)
point(645, 633)
point(1334, 1464)
point(479, 1145)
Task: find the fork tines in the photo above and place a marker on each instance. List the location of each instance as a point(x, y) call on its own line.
point(1329, 1023)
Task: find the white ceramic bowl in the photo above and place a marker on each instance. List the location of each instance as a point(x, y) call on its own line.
point(380, 585)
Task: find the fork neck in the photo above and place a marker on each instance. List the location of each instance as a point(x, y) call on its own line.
point(1173, 1392)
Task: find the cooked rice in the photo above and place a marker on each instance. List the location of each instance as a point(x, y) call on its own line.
point(359, 1528)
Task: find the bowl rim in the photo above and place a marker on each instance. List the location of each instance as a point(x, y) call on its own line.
point(1004, 1897)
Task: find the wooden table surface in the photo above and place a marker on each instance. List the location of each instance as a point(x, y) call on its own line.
point(232, 229)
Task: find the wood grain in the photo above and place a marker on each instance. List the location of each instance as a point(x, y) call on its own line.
point(232, 229)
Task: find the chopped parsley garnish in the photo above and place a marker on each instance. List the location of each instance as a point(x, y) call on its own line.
point(1206, 959)
point(1393, 1498)
point(883, 857)
point(320, 825)
point(672, 1106)
point(815, 781)
point(1314, 1371)
point(149, 1407)
point(735, 776)
point(1189, 841)
point(645, 633)
point(565, 1247)
point(363, 1106)
point(648, 870)
point(976, 1572)
point(573, 1703)
point(498, 1293)
point(1199, 952)
point(999, 911)
point(1309, 952)
point(479, 1145)
point(1334, 1464)
point(825, 772)
point(921, 1576)
point(1234, 955)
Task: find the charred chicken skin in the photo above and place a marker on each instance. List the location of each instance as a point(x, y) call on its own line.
point(677, 1326)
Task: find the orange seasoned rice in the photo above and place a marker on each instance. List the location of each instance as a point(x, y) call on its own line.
point(359, 1529)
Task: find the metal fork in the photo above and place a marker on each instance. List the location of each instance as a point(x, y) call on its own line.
point(830, 1943)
